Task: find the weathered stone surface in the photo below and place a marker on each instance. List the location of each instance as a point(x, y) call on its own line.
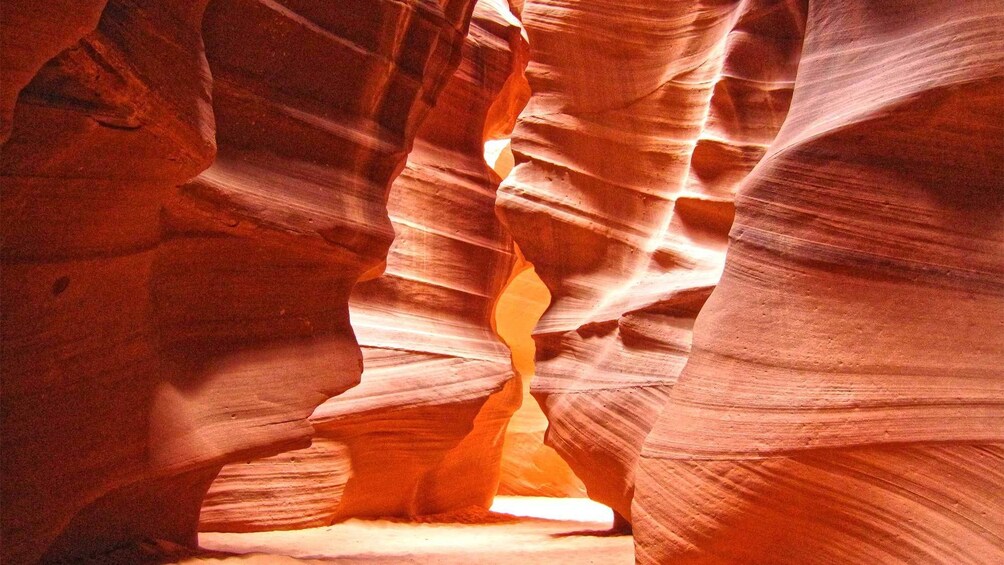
point(844, 397)
point(156, 327)
point(192, 191)
point(265, 494)
point(645, 118)
point(33, 33)
point(423, 430)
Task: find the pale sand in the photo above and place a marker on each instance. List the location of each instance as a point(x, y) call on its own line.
point(576, 535)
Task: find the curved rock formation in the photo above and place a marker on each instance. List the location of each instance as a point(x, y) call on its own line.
point(844, 397)
point(33, 33)
point(644, 119)
point(80, 358)
point(428, 420)
point(192, 191)
point(422, 432)
point(153, 328)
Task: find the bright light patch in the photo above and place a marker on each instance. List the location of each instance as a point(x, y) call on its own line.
point(498, 155)
point(564, 509)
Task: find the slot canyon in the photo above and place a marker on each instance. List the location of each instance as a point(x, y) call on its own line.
point(502, 282)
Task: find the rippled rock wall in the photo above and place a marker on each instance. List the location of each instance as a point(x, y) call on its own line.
point(844, 396)
point(188, 201)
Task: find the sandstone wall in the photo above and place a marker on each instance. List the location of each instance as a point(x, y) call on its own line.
point(644, 119)
point(423, 431)
point(844, 397)
point(167, 310)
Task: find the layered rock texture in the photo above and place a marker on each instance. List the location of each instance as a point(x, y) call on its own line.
point(423, 431)
point(167, 309)
point(645, 117)
point(844, 398)
point(764, 240)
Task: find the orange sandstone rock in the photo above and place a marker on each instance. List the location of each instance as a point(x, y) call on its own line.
point(423, 431)
point(645, 117)
point(529, 467)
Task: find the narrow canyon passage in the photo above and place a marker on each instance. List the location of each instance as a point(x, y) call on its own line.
point(663, 282)
point(433, 459)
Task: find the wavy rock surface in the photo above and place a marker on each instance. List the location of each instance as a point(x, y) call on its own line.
point(422, 433)
point(844, 397)
point(644, 118)
point(156, 327)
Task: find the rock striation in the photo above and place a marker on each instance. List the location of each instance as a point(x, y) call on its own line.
point(645, 118)
point(844, 396)
point(764, 240)
point(423, 431)
point(187, 204)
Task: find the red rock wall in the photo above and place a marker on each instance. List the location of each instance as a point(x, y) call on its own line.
point(422, 433)
point(441, 406)
point(843, 401)
point(160, 316)
point(192, 190)
point(645, 117)
point(33, 33)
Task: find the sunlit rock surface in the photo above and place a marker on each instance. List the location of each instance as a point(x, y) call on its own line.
point(645, 117)
point(167, 310)
point(844, 399)
point(423, 432)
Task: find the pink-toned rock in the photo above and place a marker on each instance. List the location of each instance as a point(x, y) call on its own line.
point(844, 397)
point(192, 191)
point(644, 120)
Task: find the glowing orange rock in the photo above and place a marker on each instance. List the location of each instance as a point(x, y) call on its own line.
point(422, 432)
point(529, 467)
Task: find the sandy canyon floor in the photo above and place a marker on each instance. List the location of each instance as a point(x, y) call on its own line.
point(520, 530)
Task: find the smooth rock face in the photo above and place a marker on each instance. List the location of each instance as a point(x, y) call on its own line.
point(644, 119)
point(844, 397)
point(422, 433)
point(429, 419)
point(291, 490)
point(158, 322)
point(100, 136)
